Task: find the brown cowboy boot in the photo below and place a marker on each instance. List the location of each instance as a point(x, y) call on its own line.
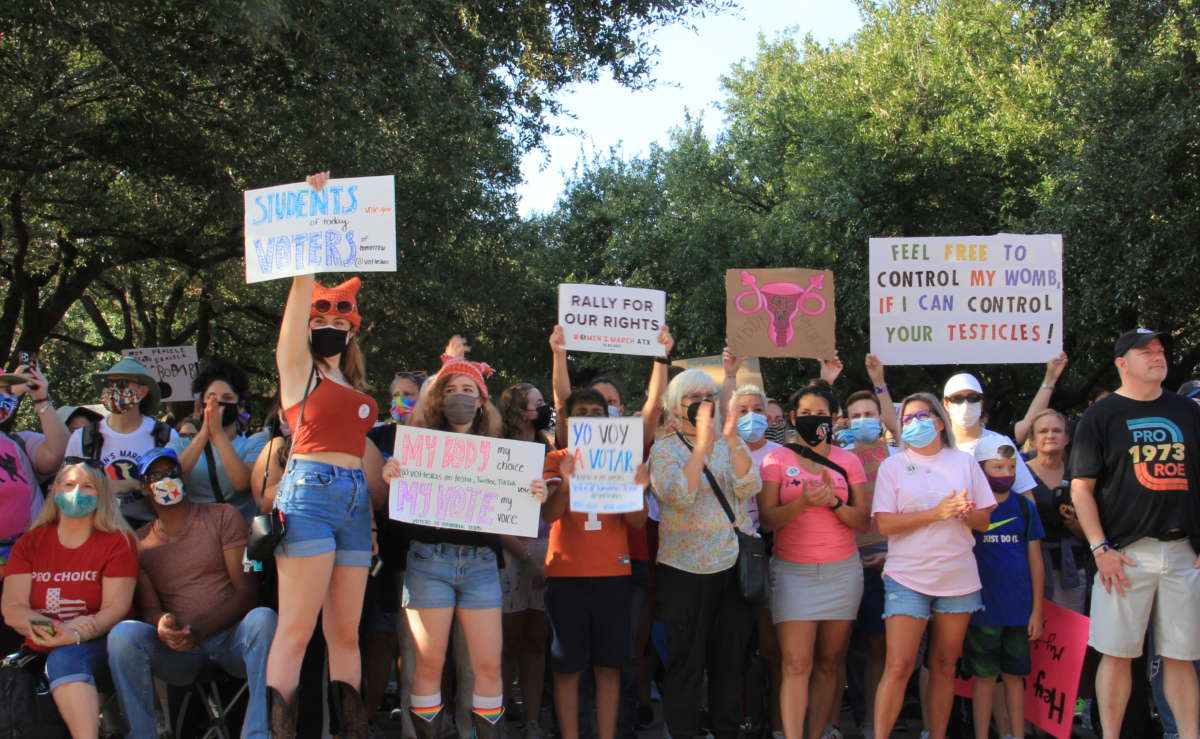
point(348, 714)
point(282, 715)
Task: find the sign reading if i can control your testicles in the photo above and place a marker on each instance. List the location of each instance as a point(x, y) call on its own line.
point(966, 299)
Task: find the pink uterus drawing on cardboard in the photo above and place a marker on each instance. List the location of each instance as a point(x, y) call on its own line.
point(780, 312)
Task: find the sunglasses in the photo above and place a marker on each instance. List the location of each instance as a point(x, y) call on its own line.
point(414, 375)
point(88, 461)
point(168, 472)
point(968, 398)
point(699, 398)
point(344, 307)
point(915, 416)
point(117, 384)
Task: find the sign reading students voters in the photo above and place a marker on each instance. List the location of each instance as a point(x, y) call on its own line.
point(175, 367)
point(1056, 661)
point(612, 320)
point(347, 226)
point(462, 481)
point(967, 299)
point(780, 313)
point(607, 452)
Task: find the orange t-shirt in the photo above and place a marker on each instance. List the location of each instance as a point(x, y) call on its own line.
point(583, 544)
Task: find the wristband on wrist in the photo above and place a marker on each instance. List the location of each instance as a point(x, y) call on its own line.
point(1048, 386)
point(881, 389)
point(1103, 546)
point(663, 360)
point(78, 637)
point(837, 503)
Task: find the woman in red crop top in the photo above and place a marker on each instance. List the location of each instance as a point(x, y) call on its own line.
point(325, 495)
point(452, 573)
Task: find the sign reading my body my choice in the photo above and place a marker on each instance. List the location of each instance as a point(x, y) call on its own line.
point(967, 299)
point(462, 481)
point(347, 226)
point(613, 320)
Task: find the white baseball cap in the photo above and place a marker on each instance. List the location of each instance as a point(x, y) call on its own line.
point(961, 381)
point(989, 447)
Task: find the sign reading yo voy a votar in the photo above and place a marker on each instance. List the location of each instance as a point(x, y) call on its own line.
point(468, 482)
point(347, 226)
point(613, 320)
point(967, 299)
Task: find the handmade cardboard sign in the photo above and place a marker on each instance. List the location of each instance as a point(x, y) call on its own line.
point(347, 226)
point(780, 312)
point(612, 320)
point(749, 373)
point(462, 481)
point(175, 367)
point(967, 299)
point(607, 452)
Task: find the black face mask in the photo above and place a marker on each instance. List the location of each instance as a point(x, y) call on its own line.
point(229, 413)
point(692, 410)
point(813, 429)
point(542, 422)
point(328, 341)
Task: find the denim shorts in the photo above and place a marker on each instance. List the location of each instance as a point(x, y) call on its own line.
point(451, 576)
point(78, 663)
point(899, 600)
point(326, 508)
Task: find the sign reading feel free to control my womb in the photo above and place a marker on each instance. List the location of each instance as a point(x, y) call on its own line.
point(967, 299)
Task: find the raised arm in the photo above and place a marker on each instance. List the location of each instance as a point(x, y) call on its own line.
point(1041, 399)
point(731, 363)
point(49, 455)
point(560, 383)
point(887, 409)
point(652, 408)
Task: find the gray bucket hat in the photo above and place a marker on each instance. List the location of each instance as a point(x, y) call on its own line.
point(133, 368)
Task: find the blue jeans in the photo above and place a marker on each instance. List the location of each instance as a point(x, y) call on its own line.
point(76, 663)
point(136, 656)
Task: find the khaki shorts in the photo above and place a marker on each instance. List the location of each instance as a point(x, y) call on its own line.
point(1165, 585)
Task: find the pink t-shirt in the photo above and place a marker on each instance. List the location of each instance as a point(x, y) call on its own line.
point(817, 534)
point(935, 559)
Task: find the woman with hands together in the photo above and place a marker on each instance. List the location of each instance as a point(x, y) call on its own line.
point(927, 500)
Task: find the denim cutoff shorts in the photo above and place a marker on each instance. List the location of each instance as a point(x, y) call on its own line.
point(79, 663)
point(451, 576)
point(899, 600)
point(326, 508)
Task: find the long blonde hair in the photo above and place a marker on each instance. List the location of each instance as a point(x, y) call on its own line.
point(107, 516)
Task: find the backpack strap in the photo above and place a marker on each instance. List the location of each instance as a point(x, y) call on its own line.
point(1029, 511)
point(161, 434)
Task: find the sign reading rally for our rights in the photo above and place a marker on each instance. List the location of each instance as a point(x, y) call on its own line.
point(967, 299)
point(780, 312)
point(175, 367)
point(613, 320)
point(607, 452)
point(461, 481)
point(347, 226)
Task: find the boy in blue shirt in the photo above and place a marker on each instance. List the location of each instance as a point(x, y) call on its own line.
point(1009, 556)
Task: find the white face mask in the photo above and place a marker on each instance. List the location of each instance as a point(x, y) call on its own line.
point(167, 491)
point(965, 414)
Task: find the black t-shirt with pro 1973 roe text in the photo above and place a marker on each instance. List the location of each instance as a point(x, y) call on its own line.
point(1143, 455)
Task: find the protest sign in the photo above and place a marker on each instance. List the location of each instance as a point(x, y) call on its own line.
point(607, 452)
point(748, 374)
point(613, 320)
point(347, 226)
point(780, 312)
point(1056, 661)
point(462, 481)
point(175, 367)
point(966, 299)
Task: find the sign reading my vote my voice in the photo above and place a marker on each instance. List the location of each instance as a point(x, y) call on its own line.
point(462, 481)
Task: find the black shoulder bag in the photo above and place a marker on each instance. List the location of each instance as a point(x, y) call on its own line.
point(266, 529)
point(752, 550)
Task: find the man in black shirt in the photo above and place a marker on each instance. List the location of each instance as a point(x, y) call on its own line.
point(1135, 488)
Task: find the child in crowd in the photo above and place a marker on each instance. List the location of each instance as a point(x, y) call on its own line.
point(1009, 556)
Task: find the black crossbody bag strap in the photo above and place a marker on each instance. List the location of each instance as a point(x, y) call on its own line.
point(809, 454)
point(211, 460)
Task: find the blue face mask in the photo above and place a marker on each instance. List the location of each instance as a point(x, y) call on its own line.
point(614, 411)
point(866, 430)
point(919, 433)
point(844, 437)
point(76, 503)
point(8, 404)
point(752, 427)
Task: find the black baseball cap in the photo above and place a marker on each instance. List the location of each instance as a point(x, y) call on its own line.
point(1138, 338)
point(1189, 389)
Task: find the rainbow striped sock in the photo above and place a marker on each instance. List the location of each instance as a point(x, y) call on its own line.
point(491, 714)
point(427, 713)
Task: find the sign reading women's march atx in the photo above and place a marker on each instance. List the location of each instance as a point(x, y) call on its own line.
point(607, 452)
point(462, 481)
point(612, 320)
point(780, 312)
point(347, 226)
point(967, 299)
